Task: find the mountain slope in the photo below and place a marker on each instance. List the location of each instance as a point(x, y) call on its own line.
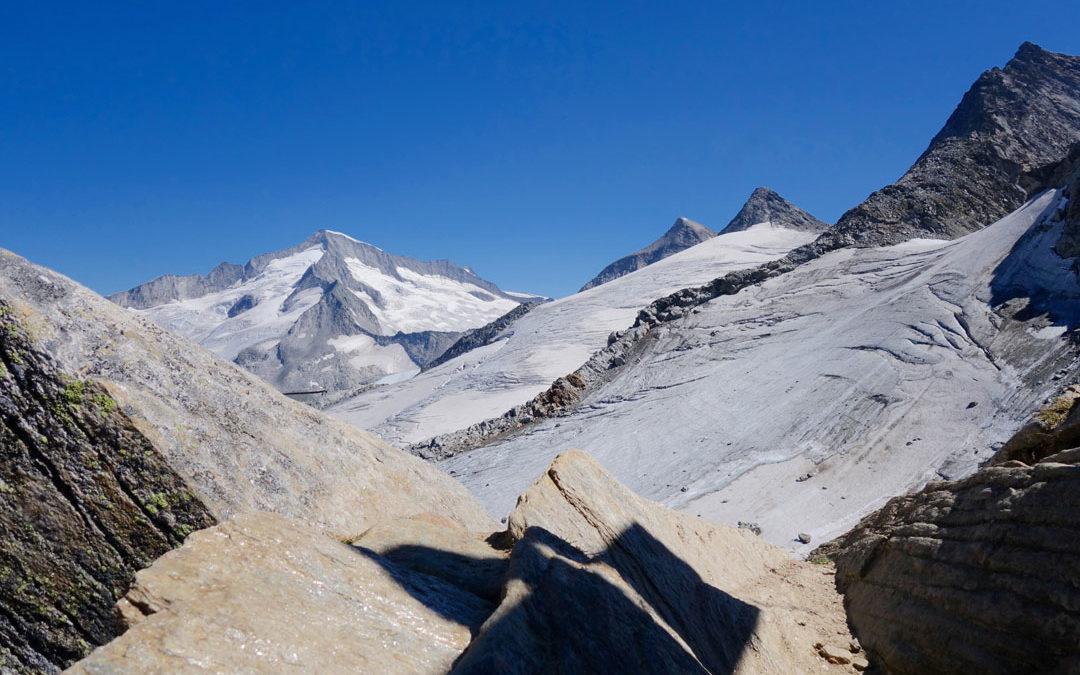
point(550, 340)
point(681, 236)
point(765, 206)
point(1013, 120)
point(330, 313)
point(871, 369)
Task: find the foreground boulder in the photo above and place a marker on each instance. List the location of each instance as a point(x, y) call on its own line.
point(601, 580)
point(980, 575)
point(590, 578)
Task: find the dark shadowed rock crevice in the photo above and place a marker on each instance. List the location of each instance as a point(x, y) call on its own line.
point(87, 501)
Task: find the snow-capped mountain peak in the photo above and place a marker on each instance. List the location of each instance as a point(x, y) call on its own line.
point(332, 312)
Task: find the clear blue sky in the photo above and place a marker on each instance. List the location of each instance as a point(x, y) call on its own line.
point(535, 142)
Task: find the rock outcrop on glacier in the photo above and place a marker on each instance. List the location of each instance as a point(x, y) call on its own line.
point(588, 578)
point(976, 575)
point(331, 313)
point(679, 237)
point(765, 206)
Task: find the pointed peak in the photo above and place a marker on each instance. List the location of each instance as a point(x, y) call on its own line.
point(685, 224)
point(766, 206)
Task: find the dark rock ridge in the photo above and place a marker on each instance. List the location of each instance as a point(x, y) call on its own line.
point(977, 575)
point(303, 357)
point(87, 502)
point(1013, 120)
point(1020, 123)
point(681, 236)
point(479, 337)
point(765, 206)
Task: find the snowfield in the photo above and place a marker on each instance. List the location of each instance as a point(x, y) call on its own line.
point(551, 340)
point(872, 371)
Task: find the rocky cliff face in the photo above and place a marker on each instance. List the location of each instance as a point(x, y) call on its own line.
point(1013, 120)
point(87, 501)
point(588, 578)
point(765, 206)
point(977, 575)
point(681, 236)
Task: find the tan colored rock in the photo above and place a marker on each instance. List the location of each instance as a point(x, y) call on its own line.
point(980, 575)
point(261, 594)
point(424, 544)
point(600, 579)
point(240, 444)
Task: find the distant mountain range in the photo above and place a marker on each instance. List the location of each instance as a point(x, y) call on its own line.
point(330, 313)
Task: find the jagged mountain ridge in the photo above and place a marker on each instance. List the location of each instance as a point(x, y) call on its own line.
point(1012, 120)
point(330, 313)
point(679, 237)
point(765, 206)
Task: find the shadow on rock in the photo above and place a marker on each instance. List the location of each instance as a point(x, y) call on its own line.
point(635, 608)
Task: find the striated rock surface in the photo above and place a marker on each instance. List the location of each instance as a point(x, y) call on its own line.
point(85, 501)
point(261, 594)
point(765, 206)
point(601, 580)
point(239, 444)
point(980, 575)
point(681, 236)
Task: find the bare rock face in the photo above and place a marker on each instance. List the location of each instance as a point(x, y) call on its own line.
point(601, 580)
point(588, 578)
point(239, 444)
point(262, 594)
point(85, 501)
point(979, 575)
point(1012, 121)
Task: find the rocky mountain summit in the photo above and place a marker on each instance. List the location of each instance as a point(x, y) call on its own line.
point(765, 206)
point(330, 313)
point(679, 237)
point(1012, 121)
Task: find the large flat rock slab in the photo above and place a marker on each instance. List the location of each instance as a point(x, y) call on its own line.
point(262, 594)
